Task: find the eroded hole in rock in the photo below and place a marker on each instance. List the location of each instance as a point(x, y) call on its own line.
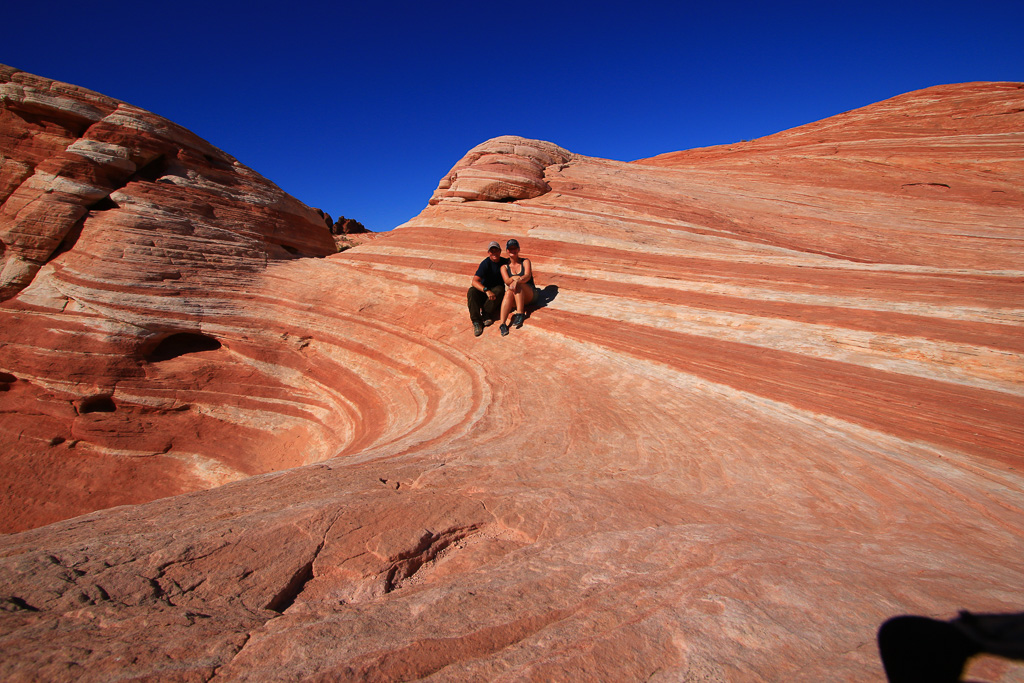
point(180, 344)
point(7, 378)
point(220, 164)
point(105, 204)
point(57, 440)
point(153, 170)
point(97, 404)
point(295, 252)
point(71, 238)
point(69, 126)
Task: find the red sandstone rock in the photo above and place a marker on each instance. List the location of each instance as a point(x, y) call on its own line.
point(119, 230)
point(774, 398)
point(504, 169)
point(348, 226)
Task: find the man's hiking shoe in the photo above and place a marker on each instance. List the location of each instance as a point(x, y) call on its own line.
point(517, 320)
point(478, 329)
point(488, 322)
point(504, 329)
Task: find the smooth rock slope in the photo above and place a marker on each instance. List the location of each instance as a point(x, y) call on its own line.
point(774, 396)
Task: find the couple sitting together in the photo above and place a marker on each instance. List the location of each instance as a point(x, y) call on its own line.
point(508, 280)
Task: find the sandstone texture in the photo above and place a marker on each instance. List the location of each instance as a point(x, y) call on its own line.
point(504, 169)
point(773, 395)
point(127, 243)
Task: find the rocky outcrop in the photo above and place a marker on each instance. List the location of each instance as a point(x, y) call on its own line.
point(770, 400)
point(128, 245)
point(71, 155)
point(342, 226)
point(347, 226)
point(504, 169)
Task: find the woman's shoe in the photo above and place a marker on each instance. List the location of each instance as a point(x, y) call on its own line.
point(504, 329)
point(518, 319)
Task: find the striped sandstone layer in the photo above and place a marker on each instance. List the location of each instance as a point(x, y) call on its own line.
point(773, 397)
point(125, 243)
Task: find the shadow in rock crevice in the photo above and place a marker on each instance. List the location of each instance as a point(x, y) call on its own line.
point(179, 344)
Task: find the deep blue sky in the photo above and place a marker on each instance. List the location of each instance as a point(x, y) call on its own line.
point(360, 110)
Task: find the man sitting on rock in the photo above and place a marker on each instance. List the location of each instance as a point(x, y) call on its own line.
point(487, 289)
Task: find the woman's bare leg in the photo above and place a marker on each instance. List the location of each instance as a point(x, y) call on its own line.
point(520, 306)
point(523, 299)
point(506, 306)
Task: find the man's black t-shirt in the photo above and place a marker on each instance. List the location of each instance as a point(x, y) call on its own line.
point(489, 272)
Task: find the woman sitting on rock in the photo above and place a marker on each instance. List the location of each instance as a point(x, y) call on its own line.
point(519, 287)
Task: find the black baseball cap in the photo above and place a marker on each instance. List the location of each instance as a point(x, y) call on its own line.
point(512, 243)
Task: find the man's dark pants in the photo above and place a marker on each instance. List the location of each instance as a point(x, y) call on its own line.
point(477, 300)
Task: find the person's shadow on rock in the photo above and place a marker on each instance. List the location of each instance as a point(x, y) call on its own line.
point(545, 296)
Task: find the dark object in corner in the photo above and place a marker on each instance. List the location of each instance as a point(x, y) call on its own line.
point(920, 650)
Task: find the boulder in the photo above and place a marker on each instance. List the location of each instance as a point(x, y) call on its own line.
point(503, 169)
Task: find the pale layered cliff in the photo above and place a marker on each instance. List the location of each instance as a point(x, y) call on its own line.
point(774, 396)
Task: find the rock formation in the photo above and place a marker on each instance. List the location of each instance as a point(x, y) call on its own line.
point(347, 226)
point(504, 169)
point(774, 395)
point(130, 250)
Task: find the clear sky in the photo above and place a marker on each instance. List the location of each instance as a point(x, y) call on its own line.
point(360, 108)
